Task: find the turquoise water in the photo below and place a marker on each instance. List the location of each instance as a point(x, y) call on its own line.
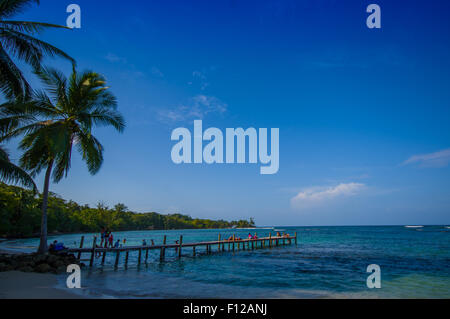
point(328, 262)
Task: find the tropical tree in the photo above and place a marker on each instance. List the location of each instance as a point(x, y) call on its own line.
point(17, 40)
point(12, 173)
point(58, 119)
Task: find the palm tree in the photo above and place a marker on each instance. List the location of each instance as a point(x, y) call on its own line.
point(12, 173)
point(17, 40)
point(61, 120)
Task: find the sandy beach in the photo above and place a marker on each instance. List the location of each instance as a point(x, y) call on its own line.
point(21, 285)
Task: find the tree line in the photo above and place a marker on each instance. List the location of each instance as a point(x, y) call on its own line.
point(20, 216)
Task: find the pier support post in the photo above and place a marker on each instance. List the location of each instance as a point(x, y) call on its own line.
point(146, 255)
point(139, 257)
point(117, 259)
point(193, 251)
point(103, 257)
point(219, 243)
point(181, 243)
point(296, 238)
point(126, 258)
point(81, 246)
point(163, 249)
point(234, 237)
point(91, 262)
point(270, 240)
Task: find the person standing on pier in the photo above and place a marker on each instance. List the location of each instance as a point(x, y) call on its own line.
point(102, 236)
point(110, 240)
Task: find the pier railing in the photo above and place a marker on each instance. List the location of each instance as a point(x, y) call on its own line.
point(219, 245)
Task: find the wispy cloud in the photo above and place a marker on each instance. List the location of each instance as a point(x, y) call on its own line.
point(157, 72)
point(436, 159)
point(200, 78)
point(114, 58)
point(315, 196)
point(196, 108)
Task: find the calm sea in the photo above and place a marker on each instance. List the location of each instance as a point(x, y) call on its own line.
point(328, 262)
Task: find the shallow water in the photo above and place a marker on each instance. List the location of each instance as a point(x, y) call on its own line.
point(328, 262)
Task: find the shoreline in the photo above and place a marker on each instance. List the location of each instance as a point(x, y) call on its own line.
point(22, 285)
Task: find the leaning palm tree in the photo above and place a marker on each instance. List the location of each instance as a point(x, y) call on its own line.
point(60, 120)
point(17, 40)
point(12, 173)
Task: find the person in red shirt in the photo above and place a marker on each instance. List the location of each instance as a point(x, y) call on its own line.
point(110, 240)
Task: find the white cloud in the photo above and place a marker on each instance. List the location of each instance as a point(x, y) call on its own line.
point(197, 108)
point(113, 58)
point(201, 78)
point(315, 196)
point(436, 159)
point(157, 72)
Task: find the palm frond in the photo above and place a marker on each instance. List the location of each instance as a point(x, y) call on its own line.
point(12, 81)
point(11, 173)
point(29, 48)
point(12, 7)
point(29, 26)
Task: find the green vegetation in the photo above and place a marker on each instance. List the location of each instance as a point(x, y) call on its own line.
point(55, 121)
point(42, 144)
point(20, 216)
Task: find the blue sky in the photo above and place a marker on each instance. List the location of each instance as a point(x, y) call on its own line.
point(363, 113)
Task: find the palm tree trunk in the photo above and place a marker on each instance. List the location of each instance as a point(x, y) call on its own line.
point(43, 248)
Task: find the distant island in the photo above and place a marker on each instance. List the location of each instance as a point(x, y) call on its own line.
point(20, 216)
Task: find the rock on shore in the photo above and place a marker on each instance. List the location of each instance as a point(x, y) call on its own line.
point(49, 263)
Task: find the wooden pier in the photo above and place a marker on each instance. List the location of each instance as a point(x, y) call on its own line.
point(217, 246)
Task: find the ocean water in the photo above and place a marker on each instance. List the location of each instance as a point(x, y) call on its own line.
point(328, 262)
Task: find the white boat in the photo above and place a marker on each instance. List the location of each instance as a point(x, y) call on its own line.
point(409, 226)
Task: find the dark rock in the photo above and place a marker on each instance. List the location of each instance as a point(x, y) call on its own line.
point(40, 259)
point(26, 269)
point(42, 268)
point(61, 269)
point(5, 267)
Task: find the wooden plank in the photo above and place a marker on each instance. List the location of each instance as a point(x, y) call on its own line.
point(81, 246)
point(91, 262)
